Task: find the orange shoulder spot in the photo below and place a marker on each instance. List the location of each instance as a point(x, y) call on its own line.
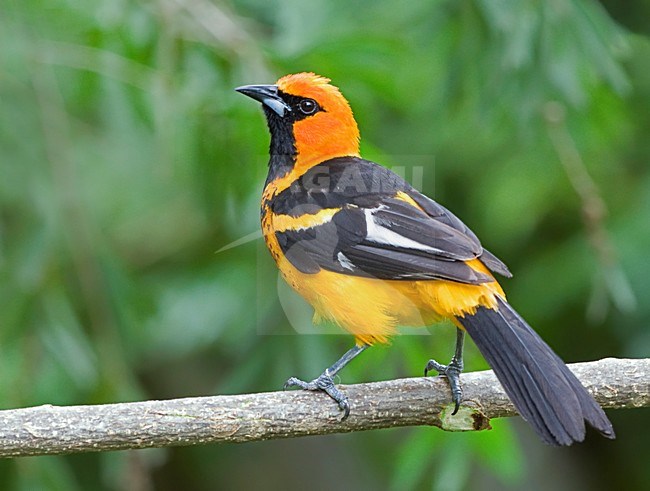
point(281, 183)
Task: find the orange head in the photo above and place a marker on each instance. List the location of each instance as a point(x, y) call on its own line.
point(309, 119)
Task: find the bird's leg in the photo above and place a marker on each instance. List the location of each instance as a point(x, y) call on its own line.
point(451, 371)
point(325, 381)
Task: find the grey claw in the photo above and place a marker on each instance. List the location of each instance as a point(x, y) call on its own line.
point(293, 382)
point(324, 383)
point(345, 406)
point(452, 372)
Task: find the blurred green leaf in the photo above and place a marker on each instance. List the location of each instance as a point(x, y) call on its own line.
point(410, 462)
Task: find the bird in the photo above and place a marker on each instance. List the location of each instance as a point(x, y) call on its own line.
point(370, 253)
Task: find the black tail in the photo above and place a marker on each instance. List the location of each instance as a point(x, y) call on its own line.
point(542, 388)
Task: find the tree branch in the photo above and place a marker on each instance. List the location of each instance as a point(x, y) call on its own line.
point(615, 383)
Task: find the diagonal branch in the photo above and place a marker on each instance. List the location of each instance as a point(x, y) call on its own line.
point(615, 383)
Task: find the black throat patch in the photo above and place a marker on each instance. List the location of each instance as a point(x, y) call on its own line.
point(283, 152)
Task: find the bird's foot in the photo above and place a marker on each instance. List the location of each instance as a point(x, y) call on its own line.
point(324, 383)
point(452, 372)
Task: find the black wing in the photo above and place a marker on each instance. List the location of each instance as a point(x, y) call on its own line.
point(376, 233)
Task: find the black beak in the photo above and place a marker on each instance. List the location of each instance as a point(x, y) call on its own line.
point(267, 95)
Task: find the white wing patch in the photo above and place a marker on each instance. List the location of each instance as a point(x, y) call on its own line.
point(381, 235)
point(344, 261)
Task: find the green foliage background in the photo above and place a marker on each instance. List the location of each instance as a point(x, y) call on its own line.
point(127, 161)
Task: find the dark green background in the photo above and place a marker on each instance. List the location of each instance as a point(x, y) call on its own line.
point(127, 161)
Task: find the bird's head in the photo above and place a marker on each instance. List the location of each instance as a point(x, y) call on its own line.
point(308, 118)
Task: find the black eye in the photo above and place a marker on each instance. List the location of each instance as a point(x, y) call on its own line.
point(308, 106)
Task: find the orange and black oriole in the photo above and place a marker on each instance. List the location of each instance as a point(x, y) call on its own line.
point(371, 253)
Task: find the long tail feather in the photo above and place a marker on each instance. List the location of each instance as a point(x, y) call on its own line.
point(540, 385)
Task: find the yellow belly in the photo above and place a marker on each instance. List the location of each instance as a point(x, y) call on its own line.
point(372, 309)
